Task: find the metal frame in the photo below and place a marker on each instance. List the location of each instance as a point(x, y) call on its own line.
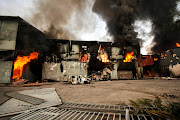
point(53, 113)
point(102, 107)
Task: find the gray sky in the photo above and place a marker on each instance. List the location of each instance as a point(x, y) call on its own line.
point(22, 8)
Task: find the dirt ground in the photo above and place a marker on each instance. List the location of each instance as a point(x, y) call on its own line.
point(108, 92)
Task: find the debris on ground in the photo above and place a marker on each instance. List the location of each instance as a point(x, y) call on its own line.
point(30, 84)
point(80, 111)
point(15, 106)
point(78, 79)
point(19, 81)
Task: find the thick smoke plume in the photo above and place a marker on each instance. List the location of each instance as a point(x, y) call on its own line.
point(161, 13)
point(119, 15)
point(69, 19)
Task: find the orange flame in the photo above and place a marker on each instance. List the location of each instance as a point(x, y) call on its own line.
point(104, 58)
point(155, 59)
point(84, 58)
point(129, 57)
point(177, 45)
point(20, 62)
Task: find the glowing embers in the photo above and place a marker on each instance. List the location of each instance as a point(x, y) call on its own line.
point(20, 62)
point(177, 45)
point(129, 57)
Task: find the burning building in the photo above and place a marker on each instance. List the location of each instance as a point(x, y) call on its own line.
point(22, 47)
point(25, 53)
point(92, 58)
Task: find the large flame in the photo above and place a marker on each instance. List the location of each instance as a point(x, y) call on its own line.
point(20, 62)
point(177, 45)
point(129, 57)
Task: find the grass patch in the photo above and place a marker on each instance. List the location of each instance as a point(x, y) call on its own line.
point(169, 111)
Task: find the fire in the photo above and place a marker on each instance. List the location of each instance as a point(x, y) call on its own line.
point(155, 59)
point(163, 56)
point(129, 57)
point(94, 76)
point(177, 45)
point(104, 58)
point(20, 62)
point(84, 58)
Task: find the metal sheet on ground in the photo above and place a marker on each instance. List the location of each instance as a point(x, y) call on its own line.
point(25, 98)
point(14, 106)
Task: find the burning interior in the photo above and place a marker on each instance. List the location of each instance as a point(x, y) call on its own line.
point(92, 59)
point(20, 62)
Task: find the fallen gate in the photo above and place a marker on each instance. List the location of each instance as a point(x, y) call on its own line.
point(54, 113)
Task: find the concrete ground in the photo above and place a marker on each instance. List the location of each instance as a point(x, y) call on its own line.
point(108, 92)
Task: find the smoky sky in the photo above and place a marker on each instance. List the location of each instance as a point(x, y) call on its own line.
point(63, 19)
point(121, 14)
point(69, 19)
point(161, 12)
point(54, 15)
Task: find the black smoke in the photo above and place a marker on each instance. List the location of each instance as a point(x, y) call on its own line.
point(161, 12)
point(121, 14)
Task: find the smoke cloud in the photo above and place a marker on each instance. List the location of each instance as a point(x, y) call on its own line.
point(70, 19)
point(161, 13)
point(96, 19)
point(119, 15)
